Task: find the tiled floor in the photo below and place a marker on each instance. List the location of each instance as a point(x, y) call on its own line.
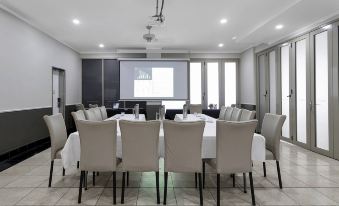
point(308, 179)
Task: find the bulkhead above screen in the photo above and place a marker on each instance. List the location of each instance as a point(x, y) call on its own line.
point(153, 79)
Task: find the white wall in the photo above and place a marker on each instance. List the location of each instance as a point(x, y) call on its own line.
point(26, 59)
point(247, 77)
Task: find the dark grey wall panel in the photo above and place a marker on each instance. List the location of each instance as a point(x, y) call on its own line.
point(111, 82)
point(91, 81)
point(70, 125)
point(19, 128)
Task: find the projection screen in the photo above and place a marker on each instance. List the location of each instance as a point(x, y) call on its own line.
point(153, 79)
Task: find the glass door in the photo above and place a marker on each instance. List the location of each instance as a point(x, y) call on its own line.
point(196, 94)
point(321, 68)
point(212, 84)
point(263, 96)
point(286, 90)
point(301, 97)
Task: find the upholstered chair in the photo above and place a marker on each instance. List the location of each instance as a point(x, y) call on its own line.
point(236, 114)
point(58, 134)
point(195, 108)
point(234, 151)
point(228, 113)
point(103, 112)
point(93, 114)
point(271, 130)
point(98, 150)
point(140, 149)
point(222, 113)
point(247, 115)
point(183, 147)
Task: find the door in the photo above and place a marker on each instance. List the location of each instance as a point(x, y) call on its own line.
point(286, 90)
point(263, 96)
point(212, 84)
point(196, 93)
point(58, 91)
point(301, 96)
point(321, 91)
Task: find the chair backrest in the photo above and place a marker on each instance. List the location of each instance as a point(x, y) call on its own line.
point(247, 115)
point(98, 145)
point(93, 114)
point(92, 105)
point(234, 146)
point(103, 112)
point(271, 130)
point(183, 145)
point(79, 107)
point(228, 113)
point(236, 114)
point(140, 145)
point(57, 132)
point(78, 115)
point(222, 113)
point(195, 108)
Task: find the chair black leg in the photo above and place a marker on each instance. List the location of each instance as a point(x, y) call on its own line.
point(196, 180)
point(127, 179)
point(244, 176)
point(51, 174)
point(78, 164)
point(63, 171)
point(165, 187)
point(279, 175)
point(264, 168)
point(123, 188)
point(200, 189)
point(114, 188)
point(157, 186)
point(80, 186)
point(203, 174)
point(218, 189)
point(97, 173)
point(93, 178)
point(233, 177)
point(86, 175)
point(252, 188)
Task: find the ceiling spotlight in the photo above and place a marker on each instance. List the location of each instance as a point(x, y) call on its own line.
point(234, 38)
point(76, 21)
point(220, 45)
point(279, 26)
point(223, 21)
point(101, 45)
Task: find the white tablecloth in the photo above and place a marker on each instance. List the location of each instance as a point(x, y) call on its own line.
point(71, 151)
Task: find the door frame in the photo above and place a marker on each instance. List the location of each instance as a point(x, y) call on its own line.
point(330, 91)
point(62, 89)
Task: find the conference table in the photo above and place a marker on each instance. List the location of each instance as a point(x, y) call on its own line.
point(70, 154)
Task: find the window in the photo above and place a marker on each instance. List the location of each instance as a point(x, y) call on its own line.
point(213, 83)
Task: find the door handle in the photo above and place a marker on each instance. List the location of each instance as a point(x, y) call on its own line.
point(265, 94)
point(289, 96)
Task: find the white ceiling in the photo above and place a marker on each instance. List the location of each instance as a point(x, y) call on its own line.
point(190, 24)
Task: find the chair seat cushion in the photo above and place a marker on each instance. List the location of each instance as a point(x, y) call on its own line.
point(269, 155)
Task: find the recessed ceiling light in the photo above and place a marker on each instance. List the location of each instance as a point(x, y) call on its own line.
point(76, 21)
point(220, 45)
point(327, 27)
point(279, 26)
point(223, 21)
point(101, 45)
point(234, 38)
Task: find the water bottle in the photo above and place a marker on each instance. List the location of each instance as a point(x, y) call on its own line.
point(136, 111)
point(185, 111)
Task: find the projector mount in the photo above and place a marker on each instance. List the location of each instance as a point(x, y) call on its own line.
point(158, 19)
